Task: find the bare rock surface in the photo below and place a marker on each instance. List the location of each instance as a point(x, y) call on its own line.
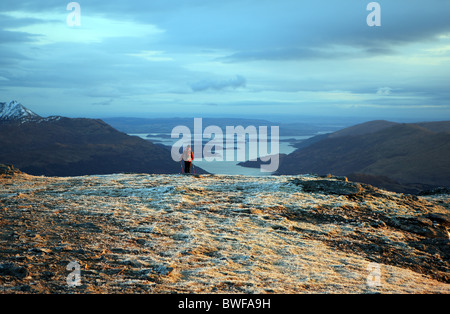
point(8, 170)
point(136, 233)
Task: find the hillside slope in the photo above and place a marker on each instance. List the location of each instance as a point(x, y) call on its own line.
point(406, 153)
point(59, 146)
point(70, 147)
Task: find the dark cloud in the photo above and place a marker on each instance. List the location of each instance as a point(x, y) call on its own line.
point(12, 22)
point(104, 103)
point(219, 84)
point(314, 31)
point(283, 28)
point(31, 5)
point(289, 53)
point(8, 37)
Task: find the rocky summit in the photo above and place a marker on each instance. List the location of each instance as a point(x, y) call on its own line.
point(139, 233)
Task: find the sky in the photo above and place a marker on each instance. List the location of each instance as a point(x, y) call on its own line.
point(208, 58)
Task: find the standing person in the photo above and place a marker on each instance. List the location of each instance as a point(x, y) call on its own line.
point(188, 157)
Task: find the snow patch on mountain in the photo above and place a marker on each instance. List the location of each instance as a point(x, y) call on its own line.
point(14, 111)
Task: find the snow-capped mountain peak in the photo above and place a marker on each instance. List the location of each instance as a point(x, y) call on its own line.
point(14, 111)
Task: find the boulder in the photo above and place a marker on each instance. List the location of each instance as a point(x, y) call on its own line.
point(340, 187)
point(435, 191)
point(8, 170)
point(443, 219)
point(419, 225)
point(9, 269)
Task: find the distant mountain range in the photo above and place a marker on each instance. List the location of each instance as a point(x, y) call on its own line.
point(396, 156)
point(165, 125)
point(60, 146)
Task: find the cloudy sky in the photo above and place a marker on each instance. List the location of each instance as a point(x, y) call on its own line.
point(203, 58)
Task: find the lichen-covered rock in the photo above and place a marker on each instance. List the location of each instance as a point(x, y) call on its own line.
point(337, 187)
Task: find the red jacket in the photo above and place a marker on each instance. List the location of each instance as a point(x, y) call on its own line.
point(186, 156)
